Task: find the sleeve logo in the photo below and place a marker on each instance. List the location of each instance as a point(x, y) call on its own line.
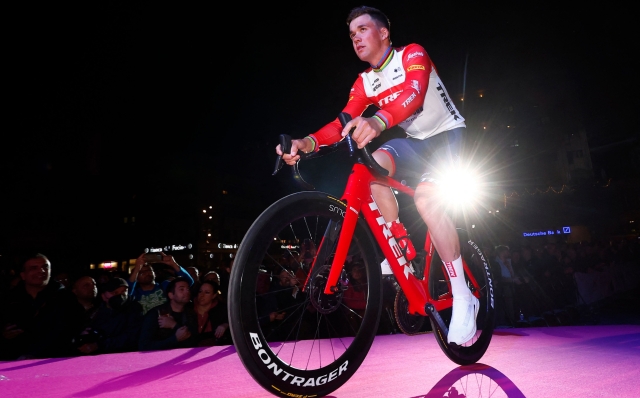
point(415, 67)
point(415, 54)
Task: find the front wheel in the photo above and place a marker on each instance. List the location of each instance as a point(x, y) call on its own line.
point(479, 266)
point(292, 338)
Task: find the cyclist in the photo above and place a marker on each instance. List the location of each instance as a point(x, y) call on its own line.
point(404, 85)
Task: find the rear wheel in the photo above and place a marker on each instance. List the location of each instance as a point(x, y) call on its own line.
point(439, 286)
point(298, 341)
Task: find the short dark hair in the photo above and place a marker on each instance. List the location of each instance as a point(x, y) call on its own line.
point(171, 287)
point(30, 256)
point(378, 16)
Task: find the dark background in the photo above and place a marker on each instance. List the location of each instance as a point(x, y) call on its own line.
point(153, 109)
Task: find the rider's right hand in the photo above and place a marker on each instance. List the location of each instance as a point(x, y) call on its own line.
point(293, 157)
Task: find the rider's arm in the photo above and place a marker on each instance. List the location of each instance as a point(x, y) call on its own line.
point(357, 104)
point(417, 66)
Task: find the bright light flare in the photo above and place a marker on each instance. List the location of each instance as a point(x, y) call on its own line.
point(459, 187)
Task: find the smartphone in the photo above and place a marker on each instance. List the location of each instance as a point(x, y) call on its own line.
point(153, 258)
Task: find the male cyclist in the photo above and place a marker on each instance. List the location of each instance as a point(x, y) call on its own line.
point(404, 84)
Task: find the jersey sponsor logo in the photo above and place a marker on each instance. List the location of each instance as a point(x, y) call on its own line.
point(414, 116)
point(389, 98)
point(415, 67)
point(415, 54)
point(409, 100)
point(416, 85)
point(375, 81)
point(291, 378)
point(447, 103)
point(397, 77)
point(377, 87)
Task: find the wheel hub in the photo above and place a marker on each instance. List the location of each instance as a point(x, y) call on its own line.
point(325, 303)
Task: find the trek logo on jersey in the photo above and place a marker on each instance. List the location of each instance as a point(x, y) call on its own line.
point(409, 100)
point(415, 54)
point(415, 67)
point(389, 98)
point(416, 85)
point(447, 103)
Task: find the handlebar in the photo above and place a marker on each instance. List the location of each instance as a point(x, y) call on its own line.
point(366, 159)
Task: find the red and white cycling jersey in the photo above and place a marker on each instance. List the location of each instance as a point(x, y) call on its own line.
point(408, 92)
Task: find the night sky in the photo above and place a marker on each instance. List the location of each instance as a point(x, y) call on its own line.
point(109, 99)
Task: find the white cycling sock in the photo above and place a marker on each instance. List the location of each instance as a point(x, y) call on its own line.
point(456, 275)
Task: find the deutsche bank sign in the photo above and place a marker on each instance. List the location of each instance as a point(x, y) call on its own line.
point(554, 231)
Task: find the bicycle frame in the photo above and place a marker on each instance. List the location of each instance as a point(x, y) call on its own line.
point(359, 199)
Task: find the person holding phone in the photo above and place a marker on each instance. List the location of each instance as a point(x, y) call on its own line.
point(143, 285)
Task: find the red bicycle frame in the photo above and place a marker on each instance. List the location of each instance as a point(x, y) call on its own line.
point(359, 199)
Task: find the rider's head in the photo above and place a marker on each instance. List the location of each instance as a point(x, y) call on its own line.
point(369, 30)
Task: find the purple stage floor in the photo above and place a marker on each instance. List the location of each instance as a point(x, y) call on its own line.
point(565, 361)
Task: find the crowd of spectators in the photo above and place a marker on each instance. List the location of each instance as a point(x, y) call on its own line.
point(161, 305)
point(534, 281)
point(42, 317)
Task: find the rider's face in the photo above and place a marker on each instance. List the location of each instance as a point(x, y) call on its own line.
point(367, 39)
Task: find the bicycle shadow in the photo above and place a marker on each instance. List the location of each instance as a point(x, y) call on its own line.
point(32, 363)
point(477, 380)
point(162, 371)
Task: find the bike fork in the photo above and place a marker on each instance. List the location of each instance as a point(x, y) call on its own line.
point(344, 241)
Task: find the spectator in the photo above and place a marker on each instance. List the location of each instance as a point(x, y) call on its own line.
point(37, 315)
point(115, 326)
point(505, 285)
point(173, 324)
point(194, 272)
point(355, 297)
point(225, 275)
point(213, 321)
point(290, 307)
point(212, 276)
point(86, 293)
point(143, 285)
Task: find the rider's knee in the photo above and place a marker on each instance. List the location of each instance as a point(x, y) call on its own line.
point(425, 194)
point(384, 159)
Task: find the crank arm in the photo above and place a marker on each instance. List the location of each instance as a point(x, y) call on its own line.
point(432, 312)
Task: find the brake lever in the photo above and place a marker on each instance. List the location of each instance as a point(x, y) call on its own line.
point(369, 160)
point(344, 119)
point(285, 146)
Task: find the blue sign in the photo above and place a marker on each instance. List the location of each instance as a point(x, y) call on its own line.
point(554, 231)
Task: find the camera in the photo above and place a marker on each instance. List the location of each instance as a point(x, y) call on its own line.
point(153, 258)
point(92, 336)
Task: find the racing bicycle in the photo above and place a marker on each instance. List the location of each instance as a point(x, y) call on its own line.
point(302, 328)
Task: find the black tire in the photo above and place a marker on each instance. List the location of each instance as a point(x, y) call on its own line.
point(320, 342)
point(479, 265)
